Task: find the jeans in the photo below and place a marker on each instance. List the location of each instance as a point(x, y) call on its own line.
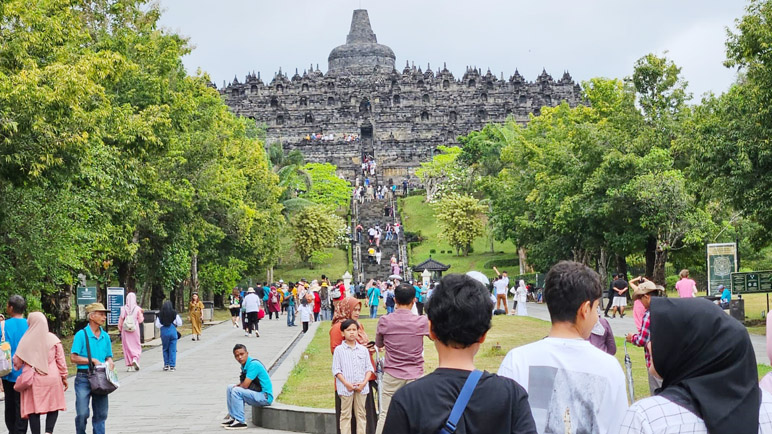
point(316, 316)
point(326, 314)
point(373, 310)
point(389, 309)
point(238, 396)
point(13, 420)
point(99, 405)
point(291, 316)
point(169, 344)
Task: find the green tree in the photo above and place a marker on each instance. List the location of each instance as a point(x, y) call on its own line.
point(313, 229)
point(327, 188)
point(443, 174)
point(461, 219)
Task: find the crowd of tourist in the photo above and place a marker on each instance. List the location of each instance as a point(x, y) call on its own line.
point(704, 381)
point(330, 137)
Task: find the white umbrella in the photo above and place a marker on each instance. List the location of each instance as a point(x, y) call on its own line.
point(395, 277)
point(478, 276)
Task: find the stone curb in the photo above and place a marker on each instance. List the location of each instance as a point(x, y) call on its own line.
point(293, 417)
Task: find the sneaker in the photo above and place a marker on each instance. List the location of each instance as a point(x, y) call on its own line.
point(246, 334)
point(236, 425)
point(135, 364)
point(166, 367)
point(2, 396)
point(257, 334)
point(622, 315)
point(198, 338)
point(229, 420)
point(606, 315)
point(172, 368)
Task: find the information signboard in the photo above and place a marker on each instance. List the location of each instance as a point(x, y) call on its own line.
point(752, 282)
point(115, 300)
point(722, 262)
point(86, 295)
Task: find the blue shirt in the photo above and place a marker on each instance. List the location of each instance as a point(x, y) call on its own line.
point(14, 330)
point(256, 372)
point(419, 298)
point(726, 295)
point(101, 348)
point(372, 296)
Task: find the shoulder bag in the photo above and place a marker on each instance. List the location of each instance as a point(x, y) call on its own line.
point(98, 377)
point(6, 365)
point(461, 402)
point(130, 321)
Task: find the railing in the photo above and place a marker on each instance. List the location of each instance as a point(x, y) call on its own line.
point(356, 251)
point(401, 247)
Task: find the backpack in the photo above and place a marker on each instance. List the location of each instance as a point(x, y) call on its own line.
point(130, 322)
point(335, 292)
point(5, 354)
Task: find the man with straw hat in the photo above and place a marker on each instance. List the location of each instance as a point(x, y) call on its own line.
point(101, 353)
point(644, 290)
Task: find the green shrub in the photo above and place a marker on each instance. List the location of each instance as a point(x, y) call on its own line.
point(670, 282)
point(501, 263)
point(432, 251)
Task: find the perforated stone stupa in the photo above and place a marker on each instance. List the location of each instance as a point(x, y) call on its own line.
point(399, 117)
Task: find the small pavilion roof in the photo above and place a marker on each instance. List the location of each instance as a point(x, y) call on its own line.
point(431, 265)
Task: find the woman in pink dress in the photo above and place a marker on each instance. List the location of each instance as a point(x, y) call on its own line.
point(44, 374)
point(132, 347)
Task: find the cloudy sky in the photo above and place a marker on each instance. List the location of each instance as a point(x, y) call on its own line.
point(589, 38)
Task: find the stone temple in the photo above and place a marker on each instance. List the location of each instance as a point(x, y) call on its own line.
point(398, 117)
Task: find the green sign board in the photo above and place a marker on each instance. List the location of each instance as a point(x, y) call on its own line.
point(86, 295)
point(752, 282)
point(722, 262)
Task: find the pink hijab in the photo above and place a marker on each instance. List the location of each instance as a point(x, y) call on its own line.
point(131, 301)
point(36, 342)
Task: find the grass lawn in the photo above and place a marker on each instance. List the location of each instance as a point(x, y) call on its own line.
point(418, 216)
point(292, 271)
point(311, 383)
point(185, 329)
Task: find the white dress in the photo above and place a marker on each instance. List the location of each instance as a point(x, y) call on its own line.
point(522, 295)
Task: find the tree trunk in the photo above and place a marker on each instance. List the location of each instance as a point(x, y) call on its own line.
point(651, 255)
point(194, 280)
point(522, 259)
point(157, 296)
point(179, 297)
point(466, 250)
point(603, 265)
point(658, 276)
point(56, 305)
point(621, 265)
point(145, 295)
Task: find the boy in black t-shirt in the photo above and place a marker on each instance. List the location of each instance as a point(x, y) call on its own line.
point(459, 313)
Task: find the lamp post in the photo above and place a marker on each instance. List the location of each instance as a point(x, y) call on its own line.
point(426, 276)
point(347, 280)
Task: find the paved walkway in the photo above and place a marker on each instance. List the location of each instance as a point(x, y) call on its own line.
point(192, 399)
point(622, 326)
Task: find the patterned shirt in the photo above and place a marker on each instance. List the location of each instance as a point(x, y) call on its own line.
point(641, 338)
point(354, 364)
point(659, 415)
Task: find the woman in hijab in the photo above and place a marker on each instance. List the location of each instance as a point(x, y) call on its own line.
point(708, 370)
point(601, 335)
point(350, 308)
point(130, 339)
point(521, 295)
point(44, 374)
point(168, 321)
point(274, 303)
point(196, 313)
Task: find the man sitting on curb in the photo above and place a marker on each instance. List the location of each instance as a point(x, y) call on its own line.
point(255, 389)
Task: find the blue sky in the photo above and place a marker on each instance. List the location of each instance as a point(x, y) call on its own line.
point(588, 38)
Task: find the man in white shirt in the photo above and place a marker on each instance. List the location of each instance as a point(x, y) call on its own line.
point(501, 285)
point(572, 386)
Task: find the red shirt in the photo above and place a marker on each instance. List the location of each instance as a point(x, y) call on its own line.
point(342, 289)
point(317, 302)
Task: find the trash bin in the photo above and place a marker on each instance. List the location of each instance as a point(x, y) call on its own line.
point(208, 310)
point(737, 309)
point(148, 331)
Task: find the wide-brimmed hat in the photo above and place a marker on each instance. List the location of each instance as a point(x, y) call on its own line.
point(96, 307)
point(644, 288)
point(252, 290)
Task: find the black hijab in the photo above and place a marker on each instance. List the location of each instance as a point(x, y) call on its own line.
point(167, 314)
point(706, 357)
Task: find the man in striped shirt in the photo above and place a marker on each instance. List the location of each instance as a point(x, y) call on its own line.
point(350, 367)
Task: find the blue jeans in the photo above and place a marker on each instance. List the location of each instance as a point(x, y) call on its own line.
point(238, 396)
point(389, 309)
point(169, 343)
point(98, 404)
point(373, 310)
point(290, 316)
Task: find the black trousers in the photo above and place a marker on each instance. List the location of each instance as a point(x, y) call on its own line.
point(13, 420)
point(610, 299)
point(305, 326)
point(419, 307)
point(251, 322)
point(34, 422)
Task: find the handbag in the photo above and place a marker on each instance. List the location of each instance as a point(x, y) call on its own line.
point(101, 382)
point(260, 314)
point(461, 402)
point(6, 366)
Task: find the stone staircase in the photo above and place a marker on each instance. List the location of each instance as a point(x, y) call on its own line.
point(368, 214)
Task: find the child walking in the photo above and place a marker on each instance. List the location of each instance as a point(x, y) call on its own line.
point(306, 311)
point(351, 366)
